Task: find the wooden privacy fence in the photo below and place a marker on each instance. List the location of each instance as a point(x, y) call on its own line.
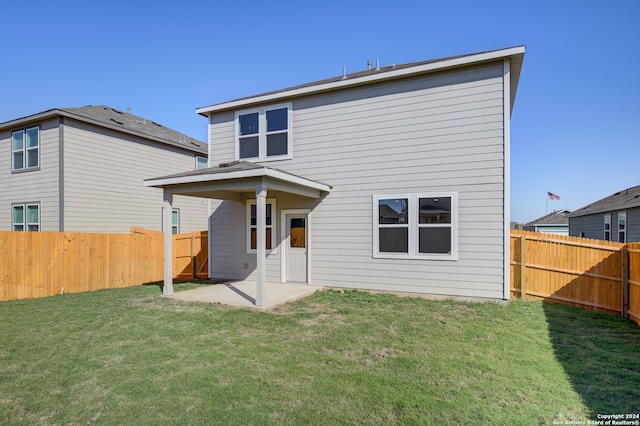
point(40, 264)
point(599, 275)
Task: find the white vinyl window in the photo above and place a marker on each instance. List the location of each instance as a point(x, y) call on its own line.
point(622, 227)
point(252, 225)
point(419, 226)
point(607, 227)
point(175, 221)
point(264, 134)
point(25, 149)
point(201, 162)
point(26, 217)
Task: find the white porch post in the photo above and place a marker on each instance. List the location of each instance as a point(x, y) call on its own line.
point(167, 211)
point(261, 251)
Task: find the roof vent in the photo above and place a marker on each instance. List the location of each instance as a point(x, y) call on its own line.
point(159, 125)
point(344, 73)
point(617, 193)
point(116, 121)
point(116, 111)
point(229, 164)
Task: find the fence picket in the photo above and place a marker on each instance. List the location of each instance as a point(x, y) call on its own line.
point(40, 264)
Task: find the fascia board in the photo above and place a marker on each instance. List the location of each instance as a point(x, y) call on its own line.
point(241, 174)
point(388, 75)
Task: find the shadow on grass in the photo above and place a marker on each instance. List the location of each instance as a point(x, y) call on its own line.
point(600, 354)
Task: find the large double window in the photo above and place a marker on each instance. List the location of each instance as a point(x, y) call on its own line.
point(264, 134)
point(25, 217)
point(25, 149)
point(416, 226)
point(252, 225)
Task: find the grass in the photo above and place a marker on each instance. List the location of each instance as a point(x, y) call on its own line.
point(130, 356)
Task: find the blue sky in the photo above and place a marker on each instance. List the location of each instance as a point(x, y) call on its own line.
point(575, 125)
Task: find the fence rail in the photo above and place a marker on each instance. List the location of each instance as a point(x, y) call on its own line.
point(40, 264)
point(599, 275)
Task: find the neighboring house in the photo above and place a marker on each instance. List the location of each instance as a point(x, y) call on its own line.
point(614, 218)
point(81, 169)
point(552, 223)
point(397, 177)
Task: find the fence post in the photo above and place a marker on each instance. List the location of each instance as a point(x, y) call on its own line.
point(625, 282)
point(523, 267)
point(194, 267)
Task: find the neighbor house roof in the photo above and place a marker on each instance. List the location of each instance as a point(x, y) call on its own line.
point(555, 218)
point(111, 118)
point(378, 74)
point(625, 199)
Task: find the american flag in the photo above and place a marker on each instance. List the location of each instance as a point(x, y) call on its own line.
point(552, 196)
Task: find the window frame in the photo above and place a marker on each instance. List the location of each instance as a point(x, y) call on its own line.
point(607, 231)
point(262, 133)
point(25, 224)
point(25, 150)
point(413, 249)
point(176, 226)
point(204, 166)
point(623, 230)
point(248, 226)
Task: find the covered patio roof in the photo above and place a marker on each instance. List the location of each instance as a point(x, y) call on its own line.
point(232, 181)
point(229, 181)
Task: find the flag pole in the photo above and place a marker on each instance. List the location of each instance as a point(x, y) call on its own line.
point(546, 207)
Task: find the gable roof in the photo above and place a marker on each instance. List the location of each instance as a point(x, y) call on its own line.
point(372, 76)
point(104, 116)
point(625, 199)
point(555, 218)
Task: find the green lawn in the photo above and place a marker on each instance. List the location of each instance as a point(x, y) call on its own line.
point(130, 356)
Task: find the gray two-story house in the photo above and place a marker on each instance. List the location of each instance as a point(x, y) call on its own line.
point(393, 178)
point(81, 169)
point(613, 218)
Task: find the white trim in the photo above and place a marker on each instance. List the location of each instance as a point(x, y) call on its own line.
point(240, 174)
point(506, 198)
point(248, 226)
point(285, 238)
point(418, 69)
point(262, 132)
point(413, 226)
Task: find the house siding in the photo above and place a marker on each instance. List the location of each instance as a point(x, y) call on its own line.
point(593, 225)
point(442, 132)
point(32, 186)
point(103, 181)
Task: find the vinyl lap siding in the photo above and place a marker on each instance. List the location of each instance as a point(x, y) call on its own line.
point(104, 173)
point(437, 133)
point(32, 186)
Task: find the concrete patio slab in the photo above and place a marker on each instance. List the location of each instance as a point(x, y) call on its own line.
point(243, 294)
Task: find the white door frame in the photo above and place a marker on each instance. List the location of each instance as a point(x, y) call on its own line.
point(285, 241)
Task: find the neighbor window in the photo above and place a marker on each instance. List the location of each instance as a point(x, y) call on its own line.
point(201, 162)
point(25, 149)
point(26, 217)
point(252, 225)
point(264, 133)
point(175, 221)
point(607, 227)
point(622, 227)
point(416, 226)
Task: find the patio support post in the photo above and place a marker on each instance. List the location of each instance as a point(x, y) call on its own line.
point(261, 252)
point(167, 212)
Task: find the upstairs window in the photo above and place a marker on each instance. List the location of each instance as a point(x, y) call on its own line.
point(201, 162)
point(264, 134)
point(607, 227)
point(418, 226)
point(26, 217)
point(25, 149)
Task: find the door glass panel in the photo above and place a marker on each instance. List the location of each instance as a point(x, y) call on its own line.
point(298, 233)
